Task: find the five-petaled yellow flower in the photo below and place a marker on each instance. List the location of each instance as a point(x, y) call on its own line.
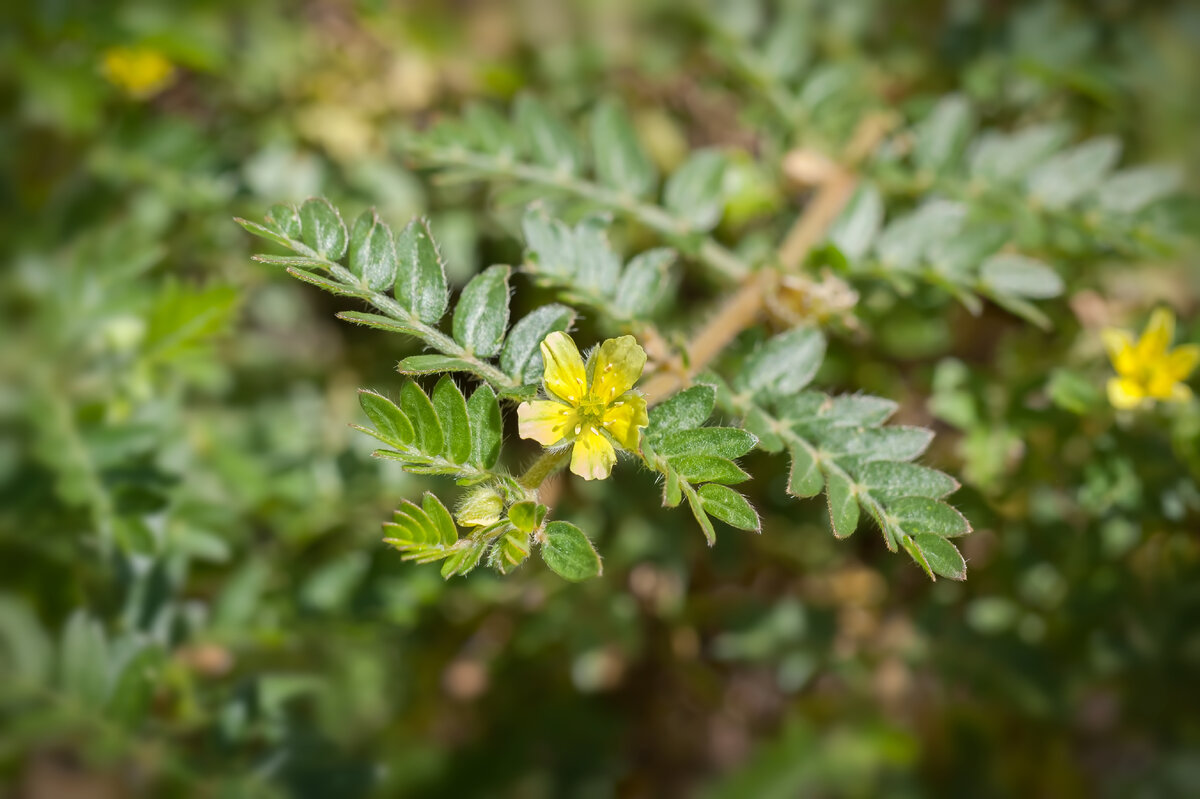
point(140, 71)
point(1148, 369)
point(591, 407)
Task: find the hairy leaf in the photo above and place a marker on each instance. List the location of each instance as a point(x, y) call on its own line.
point(569, 553)
point(481, 316)
point(322, 228)
point(521, 357)
point(420, 274)
point(451, 409)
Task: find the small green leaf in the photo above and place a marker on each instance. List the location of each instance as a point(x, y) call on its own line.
point(422, 533)
point(464, 557)
point(897, 443)
point(322, 228)
point(1131, 190)
point(443, 523)
point(804, 477)
point(620, 160)
point(784, 364)
point(420, 274)
point(521, 357)
point(597, 265)
point(694, 190)
point(1008, 157)
point(488, 131)
point(373, 252)
point(858, 225)
point(481, 316)
point(511, 550)
point(419, 410)
point(1074, 173)
point(843, 504)
point(707, 469)
point(891, 480)
point(527, 515)
point(858, 410)
point(264, 232)
point(645, 283)
point(697, 506)
point(546, 137)
point(941, 137)
point(378, 322)
point(729, 506)
point(942, 556)
point(760, 424)
point(332, 286)
point(285, 219)
point(301, 261)
point(551, 249)
point(723, 442)
point(569, 553)
point(907, 240)
point(435, 364)
point(686, 410)
point(923, 515)
point(1020, 276)
point(451, 409)
point(393, 426)
point(487, 428)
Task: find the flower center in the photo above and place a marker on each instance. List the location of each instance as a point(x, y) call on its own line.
point(591, 410)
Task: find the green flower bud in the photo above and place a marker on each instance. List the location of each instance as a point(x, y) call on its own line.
point(480, 508)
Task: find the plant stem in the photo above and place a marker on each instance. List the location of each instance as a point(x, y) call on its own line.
point(742, 309)
point(431, 335)
point(549, 463)
point(720, 260)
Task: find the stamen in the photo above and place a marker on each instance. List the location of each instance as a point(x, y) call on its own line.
point(578, 427)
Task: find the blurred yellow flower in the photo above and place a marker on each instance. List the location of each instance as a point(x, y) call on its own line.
point(1148, 369)
point(590, 407)
point(140, 71)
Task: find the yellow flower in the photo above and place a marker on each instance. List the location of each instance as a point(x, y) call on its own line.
point(140, 71)
point(1148, 369)
point(590, 407)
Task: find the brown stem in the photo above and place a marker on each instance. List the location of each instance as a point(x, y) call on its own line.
point(743, 308)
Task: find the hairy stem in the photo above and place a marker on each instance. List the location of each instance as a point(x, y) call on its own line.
point(719, 259)
point(549, 463)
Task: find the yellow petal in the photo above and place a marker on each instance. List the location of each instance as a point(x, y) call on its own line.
point(564, 375)
point(616, 367)
point(1119, 344)
point(1124, 393)
point(1182, 360)
point(545, 421)
point(1180, 392)
point(1157, 336)
point(624, 417)
point(593, 457)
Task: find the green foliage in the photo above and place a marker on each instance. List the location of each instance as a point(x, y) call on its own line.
point(196, 600)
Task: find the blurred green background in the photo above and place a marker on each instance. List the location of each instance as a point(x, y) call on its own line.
point(194, 600)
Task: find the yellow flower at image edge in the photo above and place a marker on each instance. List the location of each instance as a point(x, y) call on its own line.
point(1148, 369)
point(140, 71)
point(591, 407)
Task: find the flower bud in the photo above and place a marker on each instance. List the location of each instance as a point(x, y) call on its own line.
point(480, 508)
